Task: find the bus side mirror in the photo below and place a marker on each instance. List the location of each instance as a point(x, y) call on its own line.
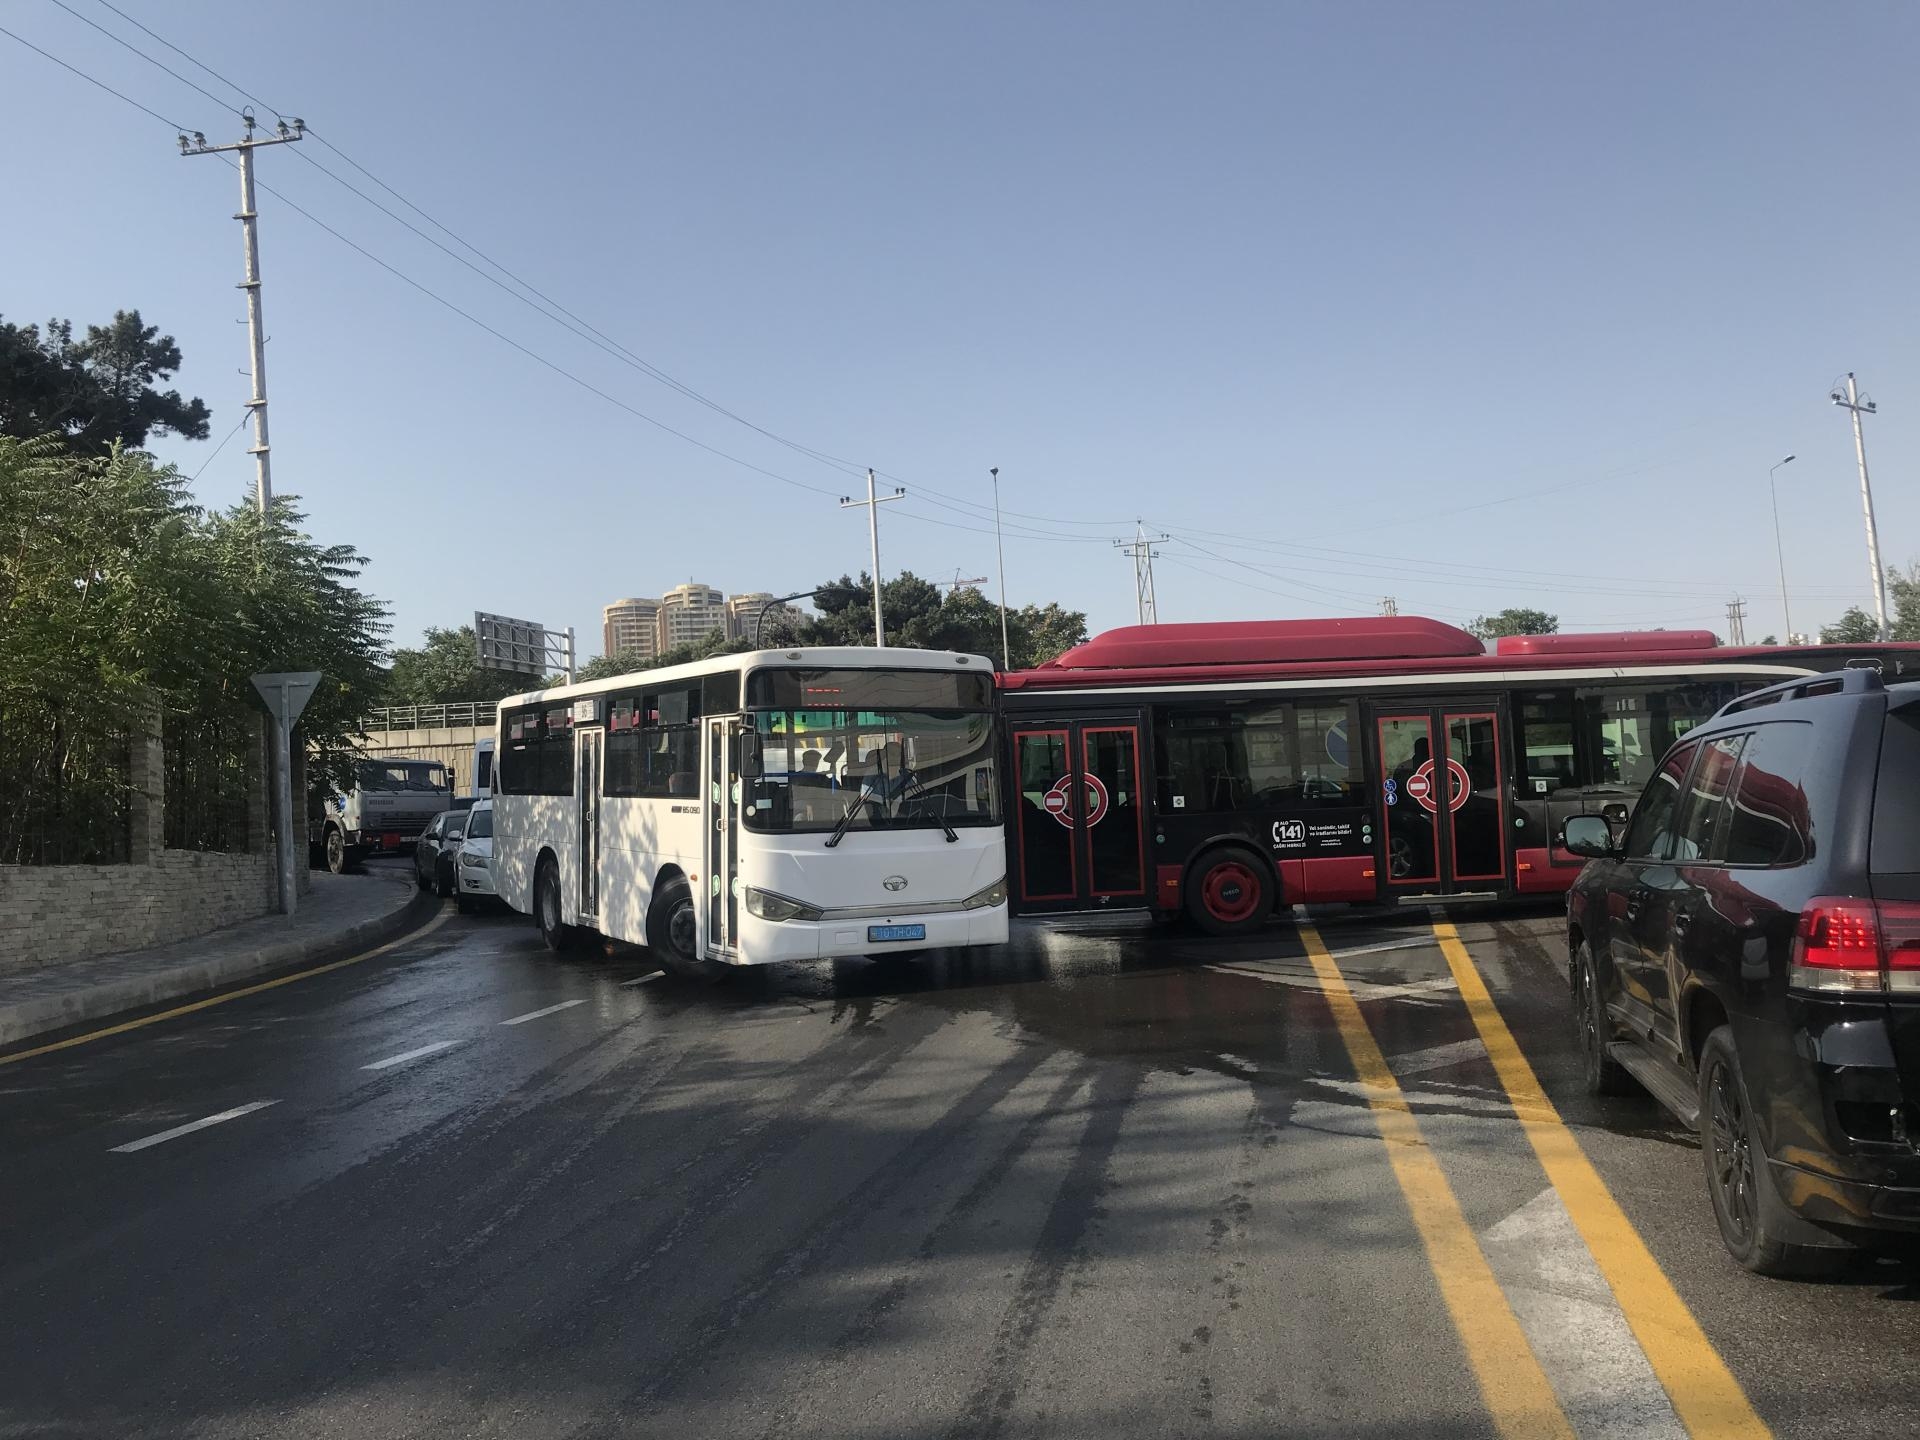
point(1588, 835)
point(747, 756)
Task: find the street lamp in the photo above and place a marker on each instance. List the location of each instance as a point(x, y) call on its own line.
point(760, 621)
point(1780, 553)
point(1006, 656)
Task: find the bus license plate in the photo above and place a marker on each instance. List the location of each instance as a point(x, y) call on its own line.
point(896, 932)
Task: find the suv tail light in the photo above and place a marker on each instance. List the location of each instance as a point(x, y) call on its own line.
point(1848, 945)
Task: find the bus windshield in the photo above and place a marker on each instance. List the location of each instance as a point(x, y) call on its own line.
point(893, 769)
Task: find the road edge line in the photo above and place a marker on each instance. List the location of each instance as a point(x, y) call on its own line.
point(438, 919)
point(1703, 1390)
point(1515, 1387)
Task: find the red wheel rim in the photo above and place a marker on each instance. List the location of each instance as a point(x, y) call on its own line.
point(1231, 892)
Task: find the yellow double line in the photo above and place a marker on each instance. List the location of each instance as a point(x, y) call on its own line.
point(1519, 1397)
point(1706, 1397)
point(439, 919)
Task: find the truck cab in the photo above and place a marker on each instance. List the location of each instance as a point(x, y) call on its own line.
point(390, 803)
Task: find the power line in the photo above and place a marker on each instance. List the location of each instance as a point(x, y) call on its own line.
point(547, 306)
point(188, 58)
point(218, 448)
point(101, 84)
point(191, 85)
point(579, 327)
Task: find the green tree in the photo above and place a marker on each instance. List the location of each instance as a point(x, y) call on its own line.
point(445, 669)
point(1514, 620)
point(118, 596)
point(95, 391)
point(294, 606)
point(1855, 626)
point(1904, 588)
point(919, 617)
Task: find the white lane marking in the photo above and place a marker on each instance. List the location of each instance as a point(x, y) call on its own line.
point(188, 1129)
point(1428, 943)
point(1449, 1099)
point(404, 1056)
point(1575, 1325)
point(629, 984)
point(536, 1014)
point(1362, 989)
point(1437, 1057)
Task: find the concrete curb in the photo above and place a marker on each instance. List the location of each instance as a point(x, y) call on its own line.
point(29, 1018)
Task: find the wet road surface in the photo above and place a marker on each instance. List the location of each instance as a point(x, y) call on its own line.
point(1112, 1180)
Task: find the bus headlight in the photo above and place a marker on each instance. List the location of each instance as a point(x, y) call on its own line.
point(994, 894)
point(768, 906)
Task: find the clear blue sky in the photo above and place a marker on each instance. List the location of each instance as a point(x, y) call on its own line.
point(1298, 283)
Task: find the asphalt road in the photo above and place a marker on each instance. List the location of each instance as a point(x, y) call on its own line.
point(1111, 1181)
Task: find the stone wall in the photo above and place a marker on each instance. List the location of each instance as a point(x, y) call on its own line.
point(54, 913)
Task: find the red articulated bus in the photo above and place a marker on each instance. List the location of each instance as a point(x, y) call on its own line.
point(1226, 769)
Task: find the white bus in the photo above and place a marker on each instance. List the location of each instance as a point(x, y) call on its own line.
point(778, 805)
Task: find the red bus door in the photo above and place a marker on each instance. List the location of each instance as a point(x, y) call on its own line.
point(1441, 793)
point(1079, 822)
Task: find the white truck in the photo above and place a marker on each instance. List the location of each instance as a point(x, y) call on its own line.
point(390, 803)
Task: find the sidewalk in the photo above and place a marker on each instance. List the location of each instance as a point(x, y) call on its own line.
point(343, 914)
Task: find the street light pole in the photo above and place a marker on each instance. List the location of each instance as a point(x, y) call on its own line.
point(1851, 401)
point(760, 621)
point(1006, 653)
point(1786, 613)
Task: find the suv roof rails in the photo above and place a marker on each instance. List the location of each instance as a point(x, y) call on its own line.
point(1855, 680)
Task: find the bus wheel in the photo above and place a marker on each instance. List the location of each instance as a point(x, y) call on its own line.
point(1229, 892)
point(546, 908)
point(673, 933)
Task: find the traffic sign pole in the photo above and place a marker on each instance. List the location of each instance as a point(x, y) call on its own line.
point(286, 695)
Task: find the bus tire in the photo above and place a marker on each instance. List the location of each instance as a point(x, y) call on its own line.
point(673, 933)
point(1230, 891)
point(334, 847)
point(557, 934)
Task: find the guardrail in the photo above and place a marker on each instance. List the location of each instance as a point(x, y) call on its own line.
point(430, 717)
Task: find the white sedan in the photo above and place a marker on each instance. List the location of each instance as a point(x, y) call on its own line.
point(473, 865)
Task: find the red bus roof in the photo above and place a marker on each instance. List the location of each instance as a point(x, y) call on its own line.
point(1255, 650)
point(1606, 642)
point(1269, 642)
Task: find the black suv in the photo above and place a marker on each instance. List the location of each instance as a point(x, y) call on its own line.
point(1749, 951)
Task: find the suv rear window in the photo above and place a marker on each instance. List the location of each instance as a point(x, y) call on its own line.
point(1896, 796)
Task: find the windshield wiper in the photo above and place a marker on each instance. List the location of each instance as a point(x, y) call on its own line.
point(846, 820)
point(919, 792)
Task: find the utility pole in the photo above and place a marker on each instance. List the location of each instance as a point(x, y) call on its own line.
point(873, 503)
point(1852, 401)
point(1780, 554)
point(256, 335)
point(956, 584)
point(1141, 553)
point(1736, 621)
point(1389, 606)
point(1000, 558)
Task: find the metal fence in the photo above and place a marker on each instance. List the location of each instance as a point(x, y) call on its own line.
point(430, 717)
point(210, 762)
point(65, 791)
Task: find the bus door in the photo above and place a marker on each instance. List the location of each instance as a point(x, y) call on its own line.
point(1079, 821)
point(1440, 791)
point(591, 750)
point(723, 835)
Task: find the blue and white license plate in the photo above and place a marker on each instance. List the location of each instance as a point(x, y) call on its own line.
point(896, 932)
